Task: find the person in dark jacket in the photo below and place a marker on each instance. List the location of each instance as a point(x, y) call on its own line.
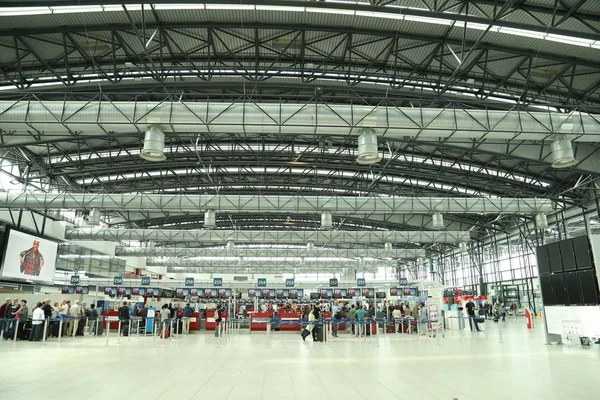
point(11, 311)
point(3, 311)
point(124, 316)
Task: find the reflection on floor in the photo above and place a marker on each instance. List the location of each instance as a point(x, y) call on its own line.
point(460, 366)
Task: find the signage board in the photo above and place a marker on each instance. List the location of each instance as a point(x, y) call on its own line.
point(333, 282)
point(262, 282)
point(361, 282)
point(145, 281)
point(189, 281)
point(74, 279)
point(118, 280)
point(217, 281)
point(289, 282)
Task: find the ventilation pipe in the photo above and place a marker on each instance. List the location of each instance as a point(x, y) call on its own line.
point(562, 153)
point(326, 220)
point(437, 221)
point(541, 221)
point(154, 145)
point(210, 219)
point(367, 149)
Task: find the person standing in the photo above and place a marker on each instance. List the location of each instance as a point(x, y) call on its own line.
point(36, 323)
point(165, 314)
point(74, 315)
point(3, 311)
point(352, 317)
point(21, 315)
point(337, 316)
point(32, 261)
point(11, 311)
point(187, 314)
point(124, 318)
point(316, 314)
point(472, 317)
point(397, 315)
point(218, 319)
point(503, 312)
point(92, 316)
point(360, 316)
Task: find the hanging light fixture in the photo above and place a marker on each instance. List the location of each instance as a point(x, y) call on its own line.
point(437, 221)
point(210, 219)
point(462, 247)
point(367, 149)
point(230, 247)
point(310, 246)
point(562, 153)
point(154, 145)
point(326, 220)
point(94, 217)
point(541, 221)
point(388, 247)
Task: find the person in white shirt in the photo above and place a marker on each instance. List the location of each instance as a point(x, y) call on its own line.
point(397, 314)
point(74, 323)
point(36, 323)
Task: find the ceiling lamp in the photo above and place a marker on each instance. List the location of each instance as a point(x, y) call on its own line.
point(310, 246)
point(367, 149)
point(541, 221)
point(462, 247)
point(210, 219)
point(230, 247)
point(154, 145)
point(562, 153)
point(326, 220)
point(388, 247)
point(437, 221)
point(94, 217)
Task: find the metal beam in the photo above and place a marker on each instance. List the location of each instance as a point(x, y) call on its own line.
point(273, 204)
point(252, 252)
point(280, 237)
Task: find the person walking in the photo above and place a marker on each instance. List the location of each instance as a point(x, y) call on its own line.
point(165, 314)
point(187, 314)
point(3, 310)
point(503, 312)
point(124, 318)
point(310, 327)
point(316, 314)
point(11, 311)
point(36, 323)
point(472, 317)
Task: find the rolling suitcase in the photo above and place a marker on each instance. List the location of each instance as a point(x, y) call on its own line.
point(319, 334)
point(305, 333)
point(80, 327)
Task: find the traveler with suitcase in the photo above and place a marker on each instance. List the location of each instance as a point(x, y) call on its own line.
point(316, 332)
point(165, 314)
point(124, 318)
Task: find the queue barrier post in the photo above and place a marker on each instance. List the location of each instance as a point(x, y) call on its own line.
point(119, 332)
point(45, 331)
point(60, 329)
point(171, 332)
point(16, 329)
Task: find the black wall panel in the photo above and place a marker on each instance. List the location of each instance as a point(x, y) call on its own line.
point(554, 257)
point(573, 289)
point(589, 286)
point(583, 253)
point(558, 285)
point(567, 255)
point(542, 260)
point(547, 290)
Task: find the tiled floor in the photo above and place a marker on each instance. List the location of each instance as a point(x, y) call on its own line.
point(249, 367)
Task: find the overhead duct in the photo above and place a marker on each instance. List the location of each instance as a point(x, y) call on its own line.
point(541, 221)
point(222, 236)
point(88, 118)
point(273, 203)
point(210, 219)
point(367, 149)
point(154, 145)
point(562, 153)
point(326, 220)
point(437, 221)
point(178, 252)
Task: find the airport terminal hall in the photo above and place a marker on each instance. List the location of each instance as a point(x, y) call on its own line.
point(300, 199)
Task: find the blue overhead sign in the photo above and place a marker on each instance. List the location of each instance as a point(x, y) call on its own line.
point(189, 281)
point(145, 281)
point(118, 280)
point(289, 282)
point(217, 281)
point(74, 279)
point(262, 282)
point(361, 282)
point(403, 281)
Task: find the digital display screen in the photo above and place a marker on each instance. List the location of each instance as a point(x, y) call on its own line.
point(136, 291)
point(182, 293)
point(110, 291)
point(326, 293)
point(380, 295)
point(197, 292)
point(296, 293)
point(29, 257)
point(253, 293)
point(339, 293)
point(151, 292)
point(210, 293)
point(82, 290)
point(353, 292)
point(124, 291)
point(395, 291)
point(314, 296)
point(67, 290)
point(368, 293)
point(282, 293)
point(267, 293)
point(224, 293)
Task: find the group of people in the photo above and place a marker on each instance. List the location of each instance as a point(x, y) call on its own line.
point(14, 314)
point(486, 310)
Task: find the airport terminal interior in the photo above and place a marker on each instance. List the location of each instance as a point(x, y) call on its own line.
point(294, 199)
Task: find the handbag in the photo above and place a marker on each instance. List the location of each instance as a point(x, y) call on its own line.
point(480, 320)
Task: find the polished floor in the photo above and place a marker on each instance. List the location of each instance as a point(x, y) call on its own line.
point(460, 366)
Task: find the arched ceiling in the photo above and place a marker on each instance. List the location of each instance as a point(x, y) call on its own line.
point(522, 56)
